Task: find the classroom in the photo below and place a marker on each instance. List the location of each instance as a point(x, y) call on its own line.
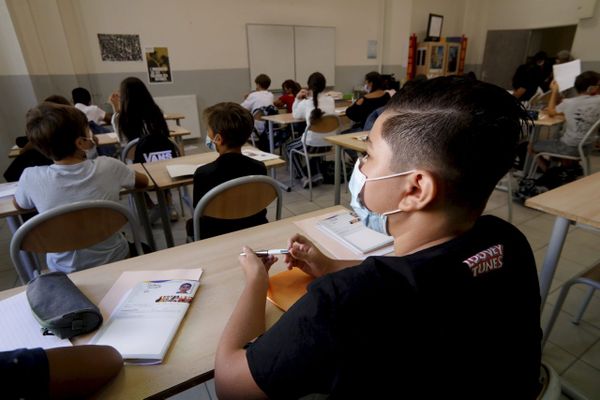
point(216, 125)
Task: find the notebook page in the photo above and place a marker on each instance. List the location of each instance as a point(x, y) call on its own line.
point(19, 328)
point(8, 189)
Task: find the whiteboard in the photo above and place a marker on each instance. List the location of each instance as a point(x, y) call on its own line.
point(290, 52)
point(186, 105)
point(315, 51)
point(271, 52)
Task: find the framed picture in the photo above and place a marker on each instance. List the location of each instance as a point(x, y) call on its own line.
point(436, 61)
point(434, 28)
point(452, 58)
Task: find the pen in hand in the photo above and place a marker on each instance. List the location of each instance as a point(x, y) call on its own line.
point(270, 252)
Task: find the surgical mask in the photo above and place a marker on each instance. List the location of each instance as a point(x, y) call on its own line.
point(371, 219)
point(210, 143)
point(91, 153)
point(366, 88)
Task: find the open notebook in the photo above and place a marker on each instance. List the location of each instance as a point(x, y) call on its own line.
point(182, 170)
point(144, 323)
point(348, 228)
point(258, 154)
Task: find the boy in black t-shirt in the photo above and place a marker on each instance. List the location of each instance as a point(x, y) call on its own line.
point(454, 313)
point(229, 127)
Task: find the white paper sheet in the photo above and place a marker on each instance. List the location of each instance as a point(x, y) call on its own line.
point(19, 328)
point(258, 155)
point(8, 189)
point(182, 170)
point(565, 74)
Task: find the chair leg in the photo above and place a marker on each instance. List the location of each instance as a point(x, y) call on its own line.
point(291, 167)
point(557, 307)
point(309, 176)
point(584, 305)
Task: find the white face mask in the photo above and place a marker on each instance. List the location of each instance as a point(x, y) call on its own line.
point(371, 219)
point(366, 88)
point(210, 143)
point(91, 153)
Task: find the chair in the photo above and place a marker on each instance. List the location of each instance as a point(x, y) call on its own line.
point(70, 227)
point(326, 125)
point(238, 198)
point(591, 277)
point(582, 149)
point(128, 152)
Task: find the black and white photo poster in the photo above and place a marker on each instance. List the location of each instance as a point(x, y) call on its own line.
point(159, 67)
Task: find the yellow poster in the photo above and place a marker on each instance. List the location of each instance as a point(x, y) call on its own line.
point(159, 67)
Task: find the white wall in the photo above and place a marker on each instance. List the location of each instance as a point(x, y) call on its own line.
point(11, 57)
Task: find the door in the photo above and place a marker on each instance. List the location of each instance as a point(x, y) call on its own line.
point(504, 51)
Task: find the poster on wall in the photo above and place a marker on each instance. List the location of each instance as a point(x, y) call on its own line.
point(159, 67)
point(115, 47)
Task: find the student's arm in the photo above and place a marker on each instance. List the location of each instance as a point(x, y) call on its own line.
point(306, 256)
point(141, 180)
point(18, 207)
point(233, 378)
point(519, 92)
point(107, 117)
point(248, 102)
point(22, 200)
point(554, 99)
point(77, 372)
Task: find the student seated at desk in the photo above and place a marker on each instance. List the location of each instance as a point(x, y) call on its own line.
point(261, 98)
point(580, 113)
point(290, 89)
point(455, 310)
point(229, 127)
point(59, 373)
point(82, 99)
point(61, 133)
point(374, 98)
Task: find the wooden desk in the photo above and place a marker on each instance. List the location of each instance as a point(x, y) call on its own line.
point(350, 141)
point(177, 133)
point(163, 181)
point(104, 139)
point(577, 201)
point(191, 357)
point(174, 117)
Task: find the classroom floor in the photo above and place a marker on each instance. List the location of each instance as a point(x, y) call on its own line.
point(573, 351)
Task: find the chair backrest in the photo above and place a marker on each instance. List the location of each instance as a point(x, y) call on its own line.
point(592, 131)
point(128, 152)
point(70, 227)
point(328, 123)
point(238, 198)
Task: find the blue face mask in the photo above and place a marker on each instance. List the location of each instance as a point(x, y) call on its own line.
point(371, 219)
point(210, 143)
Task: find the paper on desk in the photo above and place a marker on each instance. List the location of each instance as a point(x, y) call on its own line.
point(182, 170)
point(15, 147)
point(335, 247)
point(8, 189)
point(565, 74)
point(112, 135)
point(340, 110)
point(19, 328)
point(128, 280)
point(258, 155)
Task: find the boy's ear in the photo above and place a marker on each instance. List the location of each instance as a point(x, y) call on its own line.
point(420, 191)
point(218, 138)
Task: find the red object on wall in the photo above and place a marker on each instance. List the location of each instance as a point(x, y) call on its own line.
point(412, 53)
point(463, 52)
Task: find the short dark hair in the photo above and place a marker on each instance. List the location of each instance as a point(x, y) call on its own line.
point(585, 80)
point(463, 131)
point(263, 81)
point(292, 85)
point(232, 121)
point(81, 95)
point(540, 56)
point(53, 128)
point(58, 99)
point(374, 78)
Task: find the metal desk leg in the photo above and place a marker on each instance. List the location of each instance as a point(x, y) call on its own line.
point(557, 240)
point(164, 216)
point(140, 205)
point(271, 146)
point(336, 179)
point(28, 259)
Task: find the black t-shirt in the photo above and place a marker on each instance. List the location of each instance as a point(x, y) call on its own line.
point(155, 147)
point(461, 319)
point(530, 77)
point(360, 113)
point(25, 374)
point(225, 168)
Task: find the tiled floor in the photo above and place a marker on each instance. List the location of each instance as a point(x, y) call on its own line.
point(573, 351)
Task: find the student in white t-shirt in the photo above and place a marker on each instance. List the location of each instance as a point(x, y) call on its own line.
point(580, 113)
point(61, 133)
point(260, 98)
point(83, 102)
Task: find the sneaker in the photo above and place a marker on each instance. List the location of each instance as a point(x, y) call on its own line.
point(304, 183)
point(173, 214)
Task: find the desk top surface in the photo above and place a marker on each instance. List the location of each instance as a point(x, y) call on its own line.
point(288, 118)
point(351, 141)
point(193, 349)
point(577, 201)
point(179, 131)
point(174, 116)
point(158, 171)
point(546, 120)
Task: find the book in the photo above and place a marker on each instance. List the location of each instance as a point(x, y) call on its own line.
point(285, 288)
point(258, 155)
point(144, 323)
point(182, 170)
point(19, 329)
point(348, 228)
